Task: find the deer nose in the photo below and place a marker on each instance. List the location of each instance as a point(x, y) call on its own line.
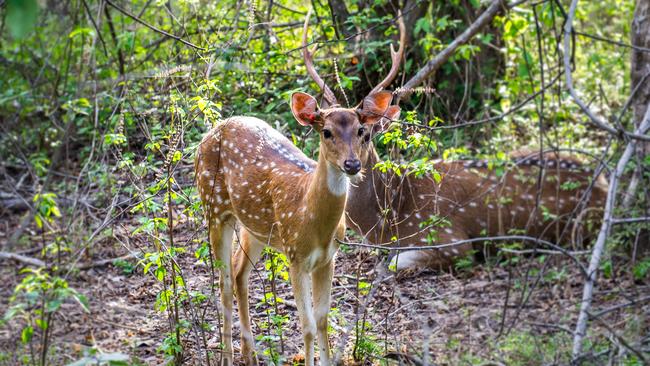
point(352, 166)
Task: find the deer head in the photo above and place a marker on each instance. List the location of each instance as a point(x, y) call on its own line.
point(345, 133)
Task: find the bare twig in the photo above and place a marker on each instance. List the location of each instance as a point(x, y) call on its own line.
point(631, 220)
point(434, 64)
point(132, 16)
point(594, 263)
point(618, 43)
point(472, 240)
point(568, 31)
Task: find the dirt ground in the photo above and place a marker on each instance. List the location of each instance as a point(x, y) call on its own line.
point(473, 316)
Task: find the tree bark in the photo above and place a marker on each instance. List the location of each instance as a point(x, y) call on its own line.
point(640, 63)
point(639, 69)
point(339, 14)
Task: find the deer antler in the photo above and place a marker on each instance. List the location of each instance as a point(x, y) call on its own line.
point(395, 56)
point(309, 63)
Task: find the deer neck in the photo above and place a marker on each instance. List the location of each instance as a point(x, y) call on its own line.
point(327, 191)
point(363, 207)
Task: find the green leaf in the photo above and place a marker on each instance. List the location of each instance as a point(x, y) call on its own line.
point(12, 312)
point(41, 323)
point(55, 211)
point(26, 334)
point(177, 156)
point(54, 305)
point(39, 222)
point(436, 176)
point(21, 16)
point(80, 31)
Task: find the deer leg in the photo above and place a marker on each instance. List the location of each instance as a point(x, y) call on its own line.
point(322, 283)
point(301, 283)
point(221, 241)
point(247, 255)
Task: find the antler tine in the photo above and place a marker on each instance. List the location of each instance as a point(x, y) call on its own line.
point(396, 57)
point(309, 63)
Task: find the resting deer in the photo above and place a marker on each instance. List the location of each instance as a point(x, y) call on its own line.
point(470, 201)
point(248, 173)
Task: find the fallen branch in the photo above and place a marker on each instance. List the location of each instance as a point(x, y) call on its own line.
point(22, 258)
point(104, 262)
point(39, 263)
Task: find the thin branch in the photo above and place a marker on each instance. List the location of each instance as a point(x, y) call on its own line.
point(434, 64)
point(630, 220)
point(515, 108)
point(179, 39)
point(643, 299)
point(568, 31)
point(471, 240)
point(92, 20)
point(594, 263)
point(602, 39)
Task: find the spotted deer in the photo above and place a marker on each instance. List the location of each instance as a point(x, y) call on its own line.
point(473, 201)
point(250, 176)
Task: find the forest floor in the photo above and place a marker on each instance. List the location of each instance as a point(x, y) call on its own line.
point(520, 313)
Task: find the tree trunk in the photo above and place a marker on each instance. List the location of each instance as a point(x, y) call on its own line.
point(339, 14)
point(640, 68)
point(641, 60)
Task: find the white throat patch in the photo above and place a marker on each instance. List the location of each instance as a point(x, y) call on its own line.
point(337, 181)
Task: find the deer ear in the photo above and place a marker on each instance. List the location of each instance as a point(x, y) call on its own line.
point(375, 106)
point(392, 113)
point(304, 108)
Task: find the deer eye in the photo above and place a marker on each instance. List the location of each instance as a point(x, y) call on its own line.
point(327, 134)
point(361, 131)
